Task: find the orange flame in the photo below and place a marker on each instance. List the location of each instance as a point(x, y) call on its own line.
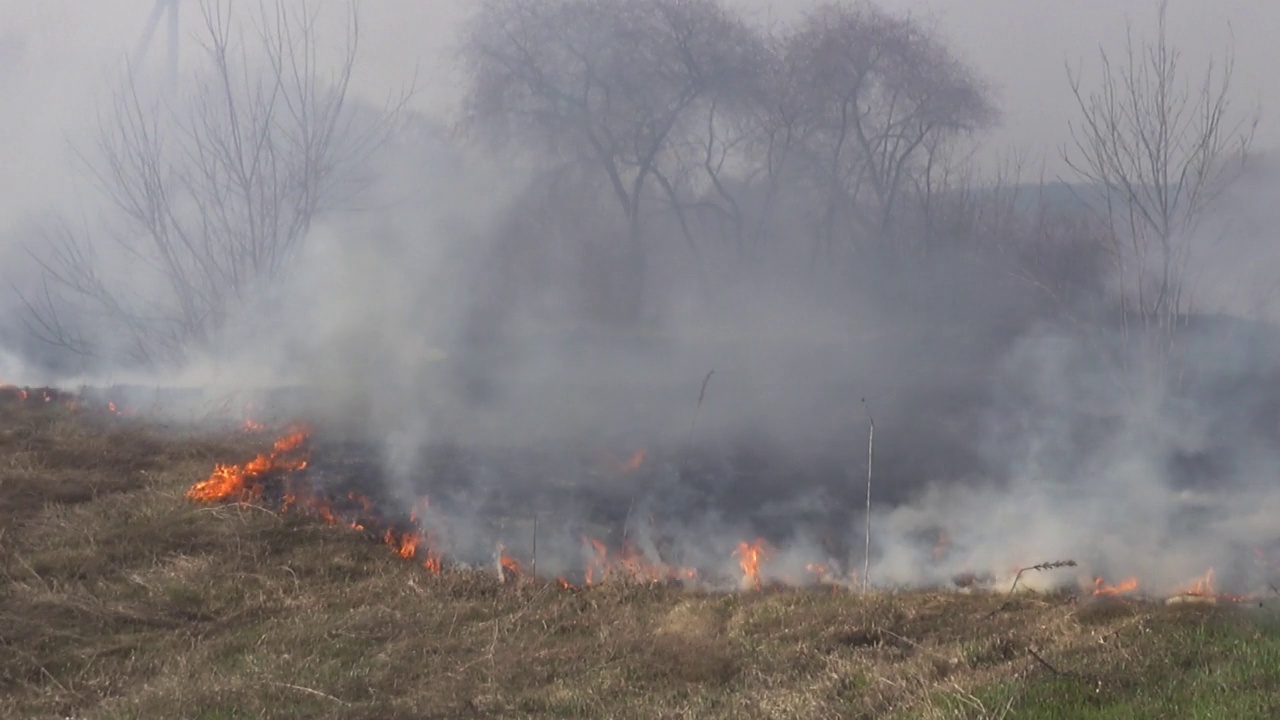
point(597, 569)
point(629, 564)
point(365, 504)
point(288, 454)
point(1101, 588)
point(749, 557)
point(1203, 587)
point(404, 544)
point(291, 453)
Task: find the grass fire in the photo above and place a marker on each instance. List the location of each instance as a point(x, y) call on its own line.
point(646, 359)
point(149, 573)
point(278, 481)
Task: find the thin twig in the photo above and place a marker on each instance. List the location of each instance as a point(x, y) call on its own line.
point(1046, 664)
point(701, 394)
point(310, 691)
point(1064, 673)
point(27, 566)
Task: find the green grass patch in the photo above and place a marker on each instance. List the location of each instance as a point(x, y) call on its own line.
point(1205, 663)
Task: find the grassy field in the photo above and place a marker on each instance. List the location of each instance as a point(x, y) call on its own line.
point(121, 599)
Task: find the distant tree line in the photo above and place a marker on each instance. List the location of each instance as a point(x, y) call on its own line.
point(678, 151)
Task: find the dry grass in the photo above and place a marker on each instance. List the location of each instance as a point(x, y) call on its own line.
point(119, 599)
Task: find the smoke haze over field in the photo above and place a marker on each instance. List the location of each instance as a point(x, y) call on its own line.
point(56, 55)
point(511, 297)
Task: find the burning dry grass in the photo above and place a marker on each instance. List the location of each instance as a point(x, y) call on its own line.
point(122, 599)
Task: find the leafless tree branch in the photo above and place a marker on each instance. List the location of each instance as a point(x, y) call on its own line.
point(210, 193)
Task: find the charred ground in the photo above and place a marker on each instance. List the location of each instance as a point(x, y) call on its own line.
point(120, 599)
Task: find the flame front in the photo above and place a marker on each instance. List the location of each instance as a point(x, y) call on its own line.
point(288, 454)
point(629, 564)
point(275, 476)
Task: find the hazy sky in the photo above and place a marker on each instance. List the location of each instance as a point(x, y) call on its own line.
point(57, 56)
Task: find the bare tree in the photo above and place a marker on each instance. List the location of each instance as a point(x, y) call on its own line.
point(1160, 144)
point(211, 193)
point(882, 95)
point(780, 126)
point(614, 83)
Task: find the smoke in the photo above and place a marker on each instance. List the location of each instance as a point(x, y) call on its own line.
point(1092, 461)
point(455, 334)
point(1048, 444)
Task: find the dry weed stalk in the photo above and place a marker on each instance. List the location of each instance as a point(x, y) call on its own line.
point(871, 447)
point(1052, 565)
